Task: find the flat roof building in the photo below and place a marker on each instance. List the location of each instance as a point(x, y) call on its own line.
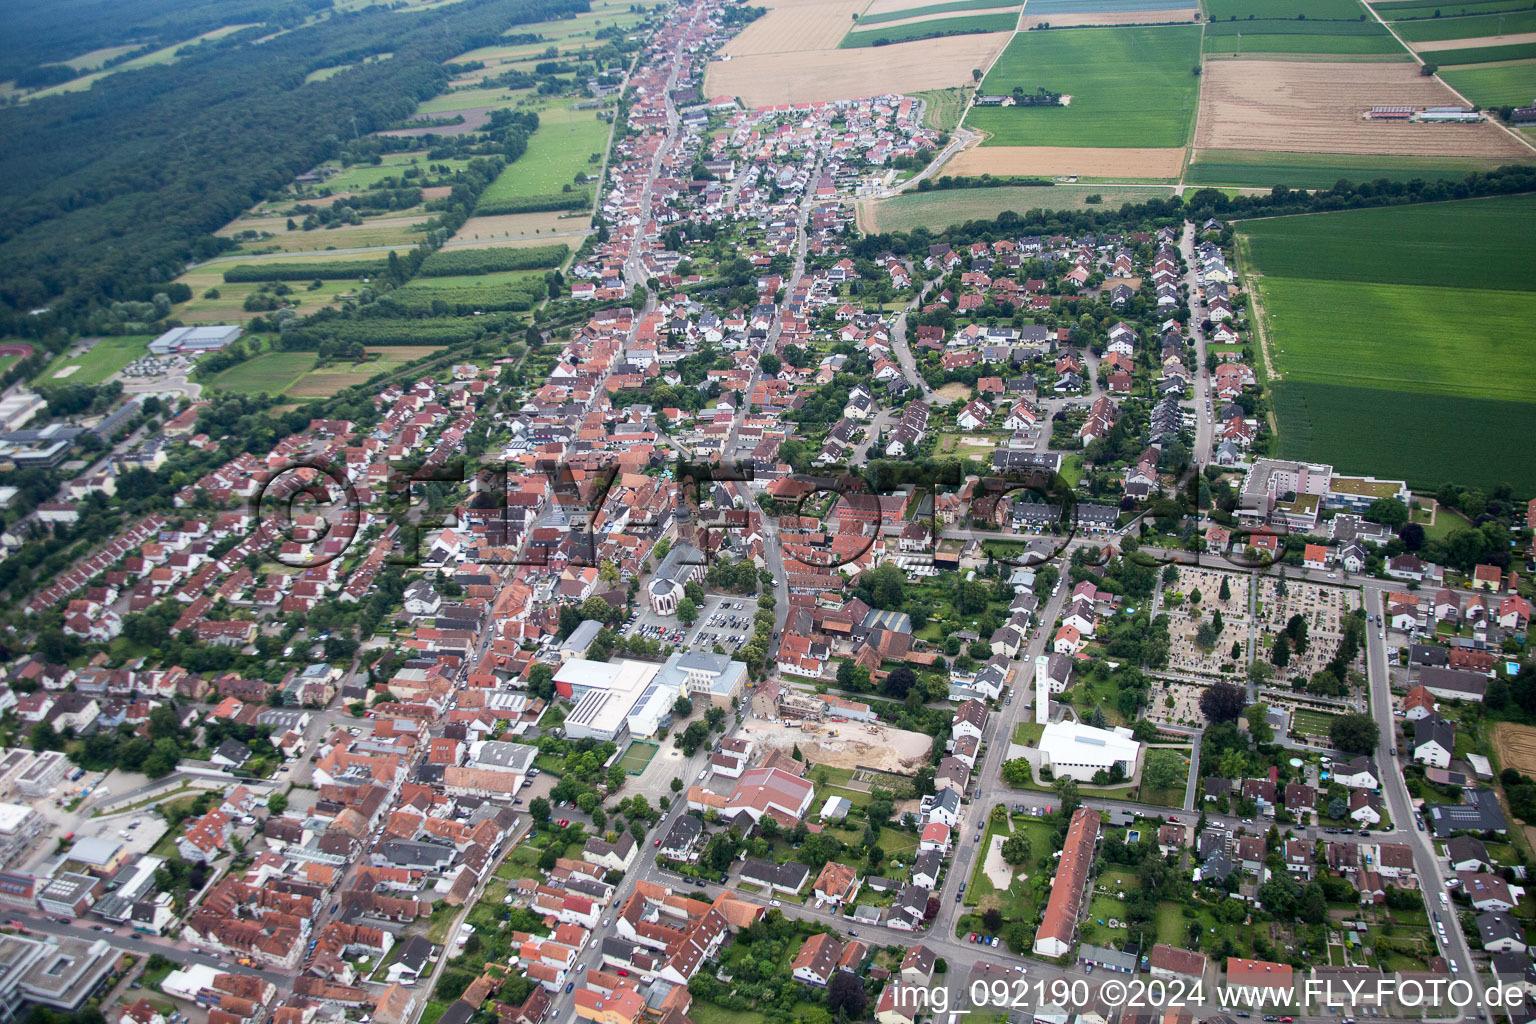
point(1077, 751)
point(194, 339)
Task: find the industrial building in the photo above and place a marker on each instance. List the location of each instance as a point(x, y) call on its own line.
point(194, 339)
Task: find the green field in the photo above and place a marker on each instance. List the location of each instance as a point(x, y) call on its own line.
point(1284, 10)
point(1479, 54)
point(557, 152)
point(1469, 27)
point(943, 108)
point(1314, 723)
point(1426, 439)
point(1495, 85)
point(1408, 9)
point(103, 360)
point(879, 35)
point(1478, 243)
point(923, 12)
point(1398, 337)
point(938, 209)
point(1318, 170)
point(294, 373)
point(1275, 36)
point(1130, 87)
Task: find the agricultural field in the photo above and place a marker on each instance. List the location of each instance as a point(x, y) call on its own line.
point(794, 26)
point(1466, 27)
point(885, 11)
point(1494, 85)
point(1406, 10)
point(522, 229)
point(1129, 87)
point(563, 147)
point(1072, 13)
point(939, 209)
point(397, 229)
point(1319, 170)
point(1396, 332)
point(105, 358)
point(1243, 38)
point(294, 373)
point(1284, 10)
point(1478, 54)
point(1002, 19)
point(1315, 107)
point(800, 74)
point(1118, 164)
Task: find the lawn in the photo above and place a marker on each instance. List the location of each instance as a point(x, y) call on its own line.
point(1292, 36)
point(880, 35)
point(1470, 27)
point(561, 149)
point(939, 209)
point(1495, 85)
point(1317, 170)
point(1314, 723)
point(1130, 87)
point(104, 359)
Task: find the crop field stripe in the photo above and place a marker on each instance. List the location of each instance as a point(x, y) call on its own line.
point(1415, 9)
point(1425, 439)
point(1480, 54)
point(1317, 170)
point(1321, 10)
point(918, 12)
point(878, 36)
point(1466, 27)
point(1272, 26)
point(1045, 8)
point(1513, 84)
point(1302, 43)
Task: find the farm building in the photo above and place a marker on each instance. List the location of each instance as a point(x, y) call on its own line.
point(1449, 115)
point(194, 339)
point(1390, 113)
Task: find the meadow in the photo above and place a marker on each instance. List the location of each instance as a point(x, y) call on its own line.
point(1404, 10)
point(1130, 87)
point(1479, 54)
point(104, 359)
point(1495, 85)
point(1466, 27)
point(561, 149)
point(294, 373)
point(930, 29)
point(1427, 440)
point(1318, 170)
point(939, 209)
point(1292, 36)
point(1399, 337)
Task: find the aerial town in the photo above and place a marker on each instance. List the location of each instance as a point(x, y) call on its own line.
point(676, 593)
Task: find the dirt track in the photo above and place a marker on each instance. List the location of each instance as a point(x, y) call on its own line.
point(1059, 160)
point(1297, 106)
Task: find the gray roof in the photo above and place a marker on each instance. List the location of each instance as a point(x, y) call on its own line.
point(1479, 813)
point(790, 875)
point(499, 754)
point(685, 831)
point(1434, 729)
point(1106, 956)
point(1493, 927)
point(929, 863)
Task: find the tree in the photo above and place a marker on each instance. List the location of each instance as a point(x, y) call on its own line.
point(1067, 790)
point(692, 737)
point(1163, 769)
point(1388, 512)
point(770, 363)
point(277, 803)
point(1206, 635)
point(1017, 849)
point(846, 996)
point(1194, 596)
point(1223, 702)
point(541, 681)
point(1355, 733)
point(694, 591)
point(992, 920)
point(1258, 724)
point(1296, 629)
point(899, 682)
point(538, 807)
point(1338, 807)
point(687, 612)
point(682, 707)
point(1226, 592)
point(1280, 654)
point(1237, 651)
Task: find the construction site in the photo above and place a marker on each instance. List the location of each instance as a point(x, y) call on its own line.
point(844, 743)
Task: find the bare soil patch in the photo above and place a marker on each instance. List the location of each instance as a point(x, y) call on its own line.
point(763, 79)
point(1516, 747)
point(1468, 44)
point(1062, 160)
point(514, 226)
point(792, 26)
point(856, 745)
point(1292, 106)
point(1177, 15)
point(954, 391)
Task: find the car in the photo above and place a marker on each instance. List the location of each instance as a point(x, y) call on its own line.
point(852, 934)
point(1088, 969)
point(656, 843)
point(623, 973)
point(516, 800)
point(569, 986)
point(995, 940)
point(1172, 820)
point(581, 967)
point(1271, 1018)
point(1394, 751)
point(699, 882)
point(962, 887)
point(774, 903)
point(1365, 831)
point(1244, 1013)
point(564, 822)
point(1454, 968)
point(971, 937)
point(1381, 634)
point(978, 837)
point(1287, 1020)
point(958, 897)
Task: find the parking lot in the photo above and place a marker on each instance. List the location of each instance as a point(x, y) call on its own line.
point(723, 619)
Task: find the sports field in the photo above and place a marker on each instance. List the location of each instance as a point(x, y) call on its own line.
point(638, 756)
point(1319, 170)
point(1129, 87)
point(939, 209)
point(104, 359)
point(1495, 85)
point(1397, 334)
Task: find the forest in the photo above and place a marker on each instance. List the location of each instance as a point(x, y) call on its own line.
point(197, 142)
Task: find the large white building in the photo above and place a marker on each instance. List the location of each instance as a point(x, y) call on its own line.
point(1077, 751)
point(620, 699)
